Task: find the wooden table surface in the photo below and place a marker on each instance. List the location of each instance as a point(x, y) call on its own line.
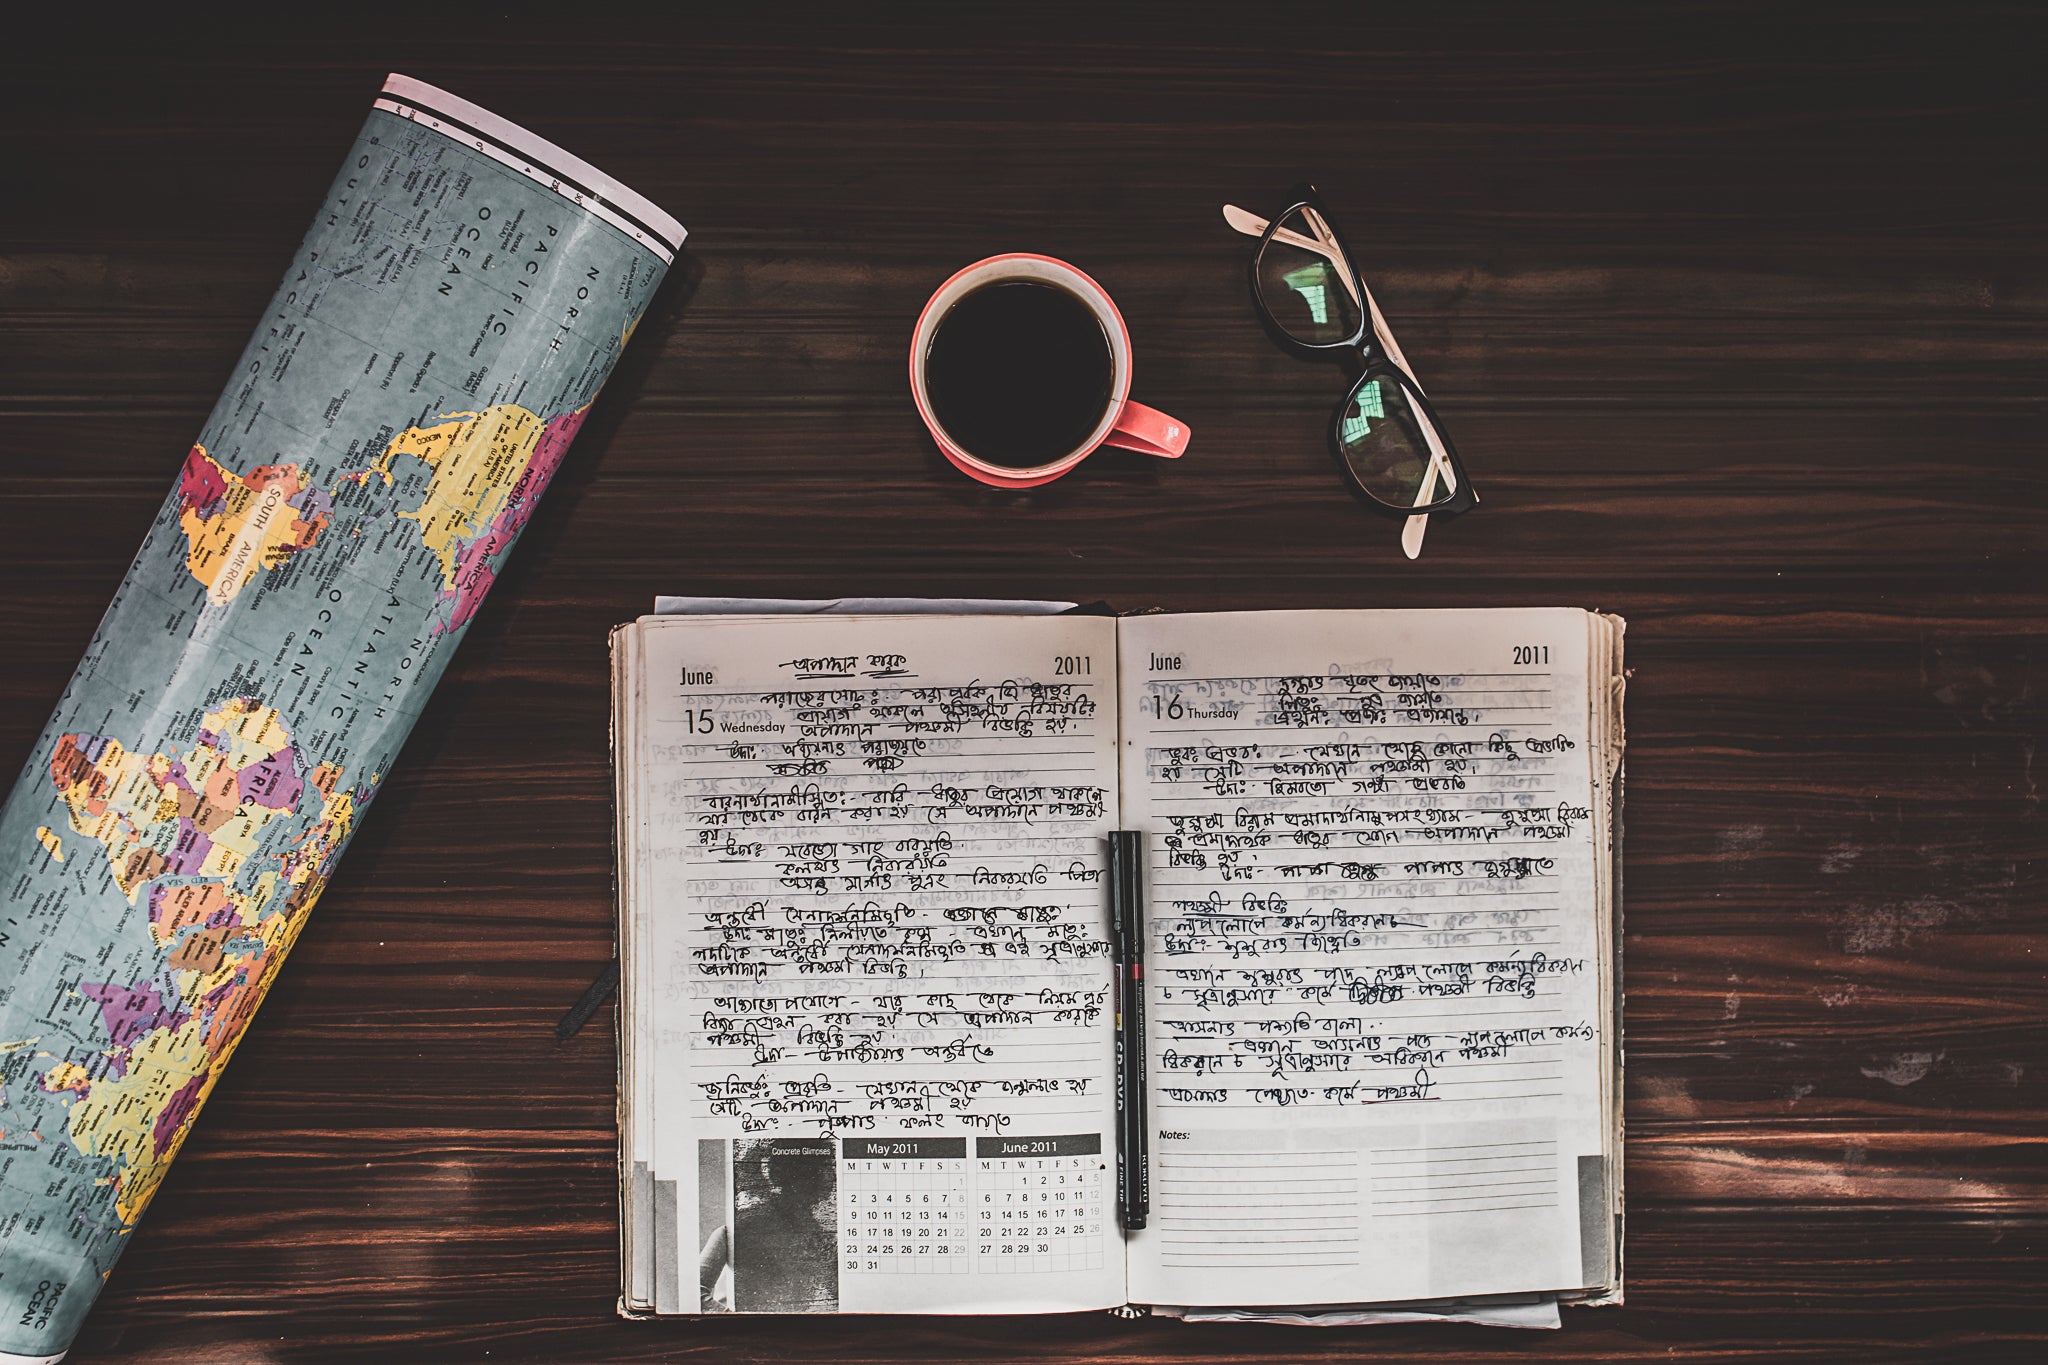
point(1739, 317)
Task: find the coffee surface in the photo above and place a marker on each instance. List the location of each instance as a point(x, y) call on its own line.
point(1019, 372)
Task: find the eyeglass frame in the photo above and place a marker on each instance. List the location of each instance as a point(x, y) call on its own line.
point(1374, 363)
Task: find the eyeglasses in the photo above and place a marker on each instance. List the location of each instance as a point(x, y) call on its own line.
point(1385, 436)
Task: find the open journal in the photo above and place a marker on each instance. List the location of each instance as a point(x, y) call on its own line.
point(869, 1054)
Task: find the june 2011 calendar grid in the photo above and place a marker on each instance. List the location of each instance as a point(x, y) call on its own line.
point(1039, 1203)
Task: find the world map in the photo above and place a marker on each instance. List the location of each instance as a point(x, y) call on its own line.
point(348, 505)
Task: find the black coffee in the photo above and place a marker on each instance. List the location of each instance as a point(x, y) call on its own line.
point(1019, 372)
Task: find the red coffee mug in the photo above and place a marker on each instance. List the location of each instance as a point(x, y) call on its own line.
point(1124, 424)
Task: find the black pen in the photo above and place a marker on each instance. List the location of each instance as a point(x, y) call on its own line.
point(1127, 932)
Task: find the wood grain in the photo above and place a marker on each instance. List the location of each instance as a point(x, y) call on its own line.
point(1738, 314)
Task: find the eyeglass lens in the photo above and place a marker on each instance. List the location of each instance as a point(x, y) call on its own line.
point(1381, 434)
point(1301, 282)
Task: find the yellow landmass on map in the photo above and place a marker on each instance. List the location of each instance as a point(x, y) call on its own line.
point(134, 806)
point(67, 1076)
point(221, 946)
point(126, 1117)
point(118, 1118)
point(236, 525)
point(111, 799)
point(52, 845)
point(477, 458)
point(248, 732)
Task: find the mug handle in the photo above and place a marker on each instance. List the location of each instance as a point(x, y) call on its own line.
point(1149, 432)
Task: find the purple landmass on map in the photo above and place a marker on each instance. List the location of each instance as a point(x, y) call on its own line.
point(274, 781)
point(178, 777)
point(212, 999)
point(175, 1111)
point(314, 503)
point(131, 1011)
point(188, 854)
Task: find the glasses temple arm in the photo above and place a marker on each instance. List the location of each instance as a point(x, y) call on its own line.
point(1251, 225)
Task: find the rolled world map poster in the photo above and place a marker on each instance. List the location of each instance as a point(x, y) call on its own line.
point(435, 345)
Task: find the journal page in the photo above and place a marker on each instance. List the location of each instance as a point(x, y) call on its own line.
point(1374, 1005)
point(883, 1032)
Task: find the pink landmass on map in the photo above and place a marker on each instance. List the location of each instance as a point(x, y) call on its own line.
point(201, 485)
point(473, 572)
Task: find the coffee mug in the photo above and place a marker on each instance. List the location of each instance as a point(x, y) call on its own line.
point(1023, 362)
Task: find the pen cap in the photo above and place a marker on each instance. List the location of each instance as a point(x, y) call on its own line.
point(1119, 927)
point(1126, 883)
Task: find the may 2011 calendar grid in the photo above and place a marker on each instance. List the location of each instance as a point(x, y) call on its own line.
point(905, 1203)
